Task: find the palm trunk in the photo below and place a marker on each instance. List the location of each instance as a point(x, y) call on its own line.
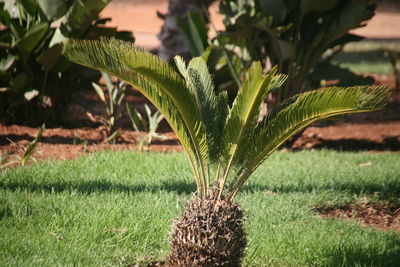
point(209, 233)
point(172, 41)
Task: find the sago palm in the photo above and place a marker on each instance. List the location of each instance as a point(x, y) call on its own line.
point(224, 143)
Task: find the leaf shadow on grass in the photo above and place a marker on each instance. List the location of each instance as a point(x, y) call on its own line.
point(387, 144)
point(361, 256)
point(98, 186)
point(182, 187)
point(390, 189)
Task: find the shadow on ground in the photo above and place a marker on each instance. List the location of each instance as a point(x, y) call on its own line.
point(388, 144)
point(185, 188)
point(98, 186)
point(361, 256)
point(391, 189)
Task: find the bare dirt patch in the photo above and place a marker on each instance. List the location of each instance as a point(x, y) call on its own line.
point(62, 144)
point(383, 215)
point(352, 136)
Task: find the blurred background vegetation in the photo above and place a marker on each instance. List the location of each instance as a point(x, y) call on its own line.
point(312, 41)
point(36, 80)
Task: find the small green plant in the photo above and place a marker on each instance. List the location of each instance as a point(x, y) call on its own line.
point(224, 143)
point(116, 94)
point(7, 160)
point(141, 125)
point(32, 145)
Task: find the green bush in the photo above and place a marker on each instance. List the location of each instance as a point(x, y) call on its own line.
point(298, 36)
point(36, 80)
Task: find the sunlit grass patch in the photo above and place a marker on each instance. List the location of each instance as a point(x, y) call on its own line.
point(116, 208)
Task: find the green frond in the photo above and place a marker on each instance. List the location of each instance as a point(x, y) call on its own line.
point(242, 118)
point(274, 81)
point(155, 78)
point(222, 111)
point(244, 111)
point(301, 110)
point(180, 65)
point(199, 81)
point(165, 105)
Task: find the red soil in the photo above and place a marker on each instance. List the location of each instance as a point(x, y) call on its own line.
point(382, 215)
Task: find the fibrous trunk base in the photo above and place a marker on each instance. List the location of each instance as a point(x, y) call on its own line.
point(209, 233)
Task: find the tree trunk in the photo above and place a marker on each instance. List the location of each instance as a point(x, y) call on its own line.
point(172, 41)
point(209, 233)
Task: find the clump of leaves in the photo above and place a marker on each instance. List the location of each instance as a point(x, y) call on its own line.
point(116, 94)
point(149, 126)
point(224, 143)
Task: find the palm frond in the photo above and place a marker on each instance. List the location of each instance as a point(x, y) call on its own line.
point(274, 81)
point(223, 111)
point(244, 111)
point(243, 115)
point(242, 118)
point(199, 81)
point(302, 110)
point(152, 76)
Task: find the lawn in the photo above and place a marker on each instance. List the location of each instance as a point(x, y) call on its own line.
point(115, 208)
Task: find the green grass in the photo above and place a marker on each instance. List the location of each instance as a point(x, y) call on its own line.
point(368, 56)
point(115, 208)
